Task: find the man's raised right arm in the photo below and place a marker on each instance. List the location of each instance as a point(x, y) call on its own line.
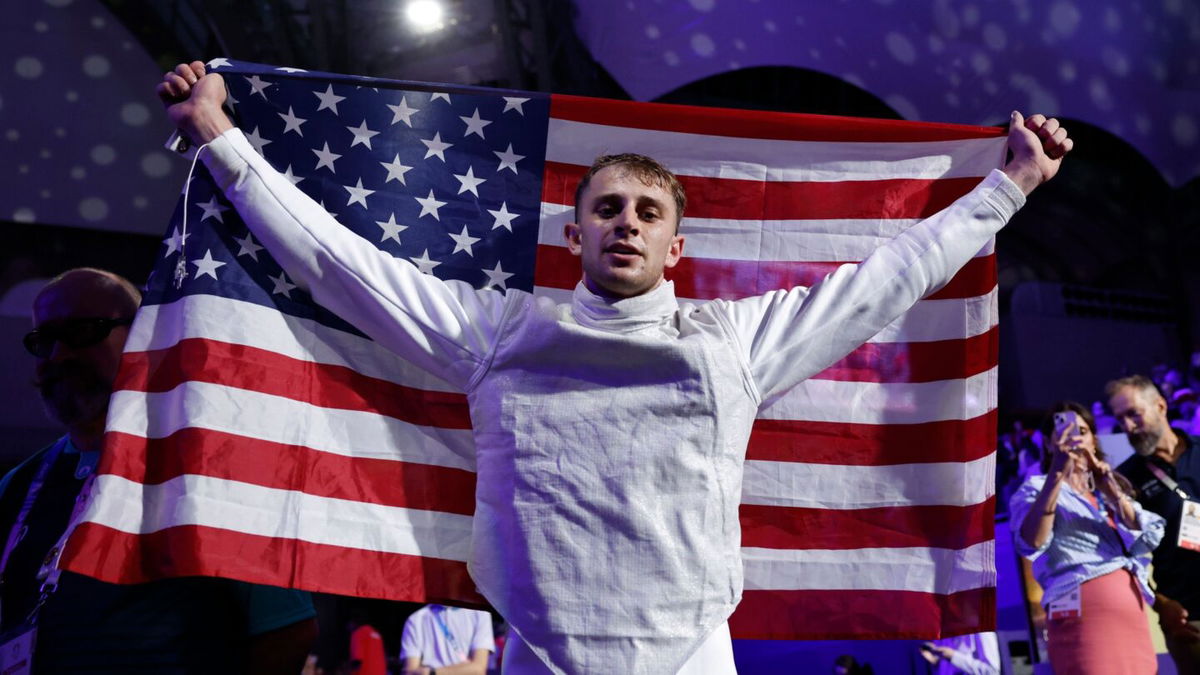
point(446, 328)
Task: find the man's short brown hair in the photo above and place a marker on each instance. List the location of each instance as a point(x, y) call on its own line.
point(646, 169)
point(1142, 384)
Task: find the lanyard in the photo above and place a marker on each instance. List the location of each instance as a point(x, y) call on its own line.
point(48, 572)
point(441, 621)
point(39, 480)
point(1165, 479)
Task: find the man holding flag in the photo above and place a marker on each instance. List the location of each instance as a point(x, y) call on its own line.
point(610, 432)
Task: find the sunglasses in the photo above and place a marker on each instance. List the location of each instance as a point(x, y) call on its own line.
point(74, 333)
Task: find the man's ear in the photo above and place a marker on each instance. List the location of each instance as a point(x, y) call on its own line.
point(675, 252)
point(572, 233)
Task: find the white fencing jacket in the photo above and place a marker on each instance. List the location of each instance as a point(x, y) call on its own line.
point(610, 435)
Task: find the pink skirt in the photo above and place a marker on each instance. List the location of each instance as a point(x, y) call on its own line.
point(1111, 637)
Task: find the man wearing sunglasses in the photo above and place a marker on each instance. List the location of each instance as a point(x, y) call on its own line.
point(81, 320)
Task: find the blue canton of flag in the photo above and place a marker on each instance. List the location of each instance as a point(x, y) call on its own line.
point(447, 177)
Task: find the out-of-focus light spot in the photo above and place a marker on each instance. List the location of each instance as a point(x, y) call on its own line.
point(900, 48)
point(980, 63)
point(96, 66)
point(156, 165)
point(29, 67)
point(1064, 17)
point(970, 15)
point(946, 20)
point(1112, 20)
point(703, 45)
point(1183, 130)
point(1100, 94)
point(93, 209)
point(135, 114)
point(903, 106)
point(103, 154)
point(995, 37)
point(1117, 62)
point(424, 15)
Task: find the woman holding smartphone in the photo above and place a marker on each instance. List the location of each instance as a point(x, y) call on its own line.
point(1090, 543)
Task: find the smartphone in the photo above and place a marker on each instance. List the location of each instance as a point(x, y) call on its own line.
point(1067, 419)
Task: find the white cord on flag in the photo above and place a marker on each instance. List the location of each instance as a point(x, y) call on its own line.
point(181, 264)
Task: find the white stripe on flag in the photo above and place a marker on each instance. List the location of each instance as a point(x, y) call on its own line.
point(284, 514)
point(919, 569)
point(886, 402)
point(246, 323)
point(276, 419)
point(777, 240)
point(690, 154)
point(832, 486)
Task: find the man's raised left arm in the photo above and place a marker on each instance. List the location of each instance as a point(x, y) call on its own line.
point(790, 335)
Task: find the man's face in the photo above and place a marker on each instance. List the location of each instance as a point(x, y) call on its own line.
point(625, 234)
point(1142, 416)
point(75, 382)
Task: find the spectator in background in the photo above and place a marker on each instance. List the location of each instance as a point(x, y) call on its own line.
point(1166, 471)
point(188, 625)
point(1089, 544)
point(973, 654)
point(441, 640)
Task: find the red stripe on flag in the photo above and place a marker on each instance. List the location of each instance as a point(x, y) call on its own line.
point(755, 123)
point(268, 372)
point(781, 527)
point(229, 456)
point(740, 199)
point(841, 443)
point(189, 550)
point(917, 361)
point(861, 614)
point(709, 278)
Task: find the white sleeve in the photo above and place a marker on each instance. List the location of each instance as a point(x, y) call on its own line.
point(789, 335)
point(446, 328)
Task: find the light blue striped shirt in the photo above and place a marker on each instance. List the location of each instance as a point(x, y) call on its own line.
point(1083, 545)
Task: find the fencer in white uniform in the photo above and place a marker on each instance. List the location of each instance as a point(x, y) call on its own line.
point(610, 431)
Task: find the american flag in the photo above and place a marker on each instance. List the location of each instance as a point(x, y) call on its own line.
point(257, 436)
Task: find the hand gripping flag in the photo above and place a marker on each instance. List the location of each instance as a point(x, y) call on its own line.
point(257, 436)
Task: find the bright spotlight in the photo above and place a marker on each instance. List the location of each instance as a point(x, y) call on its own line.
point(424, 15)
